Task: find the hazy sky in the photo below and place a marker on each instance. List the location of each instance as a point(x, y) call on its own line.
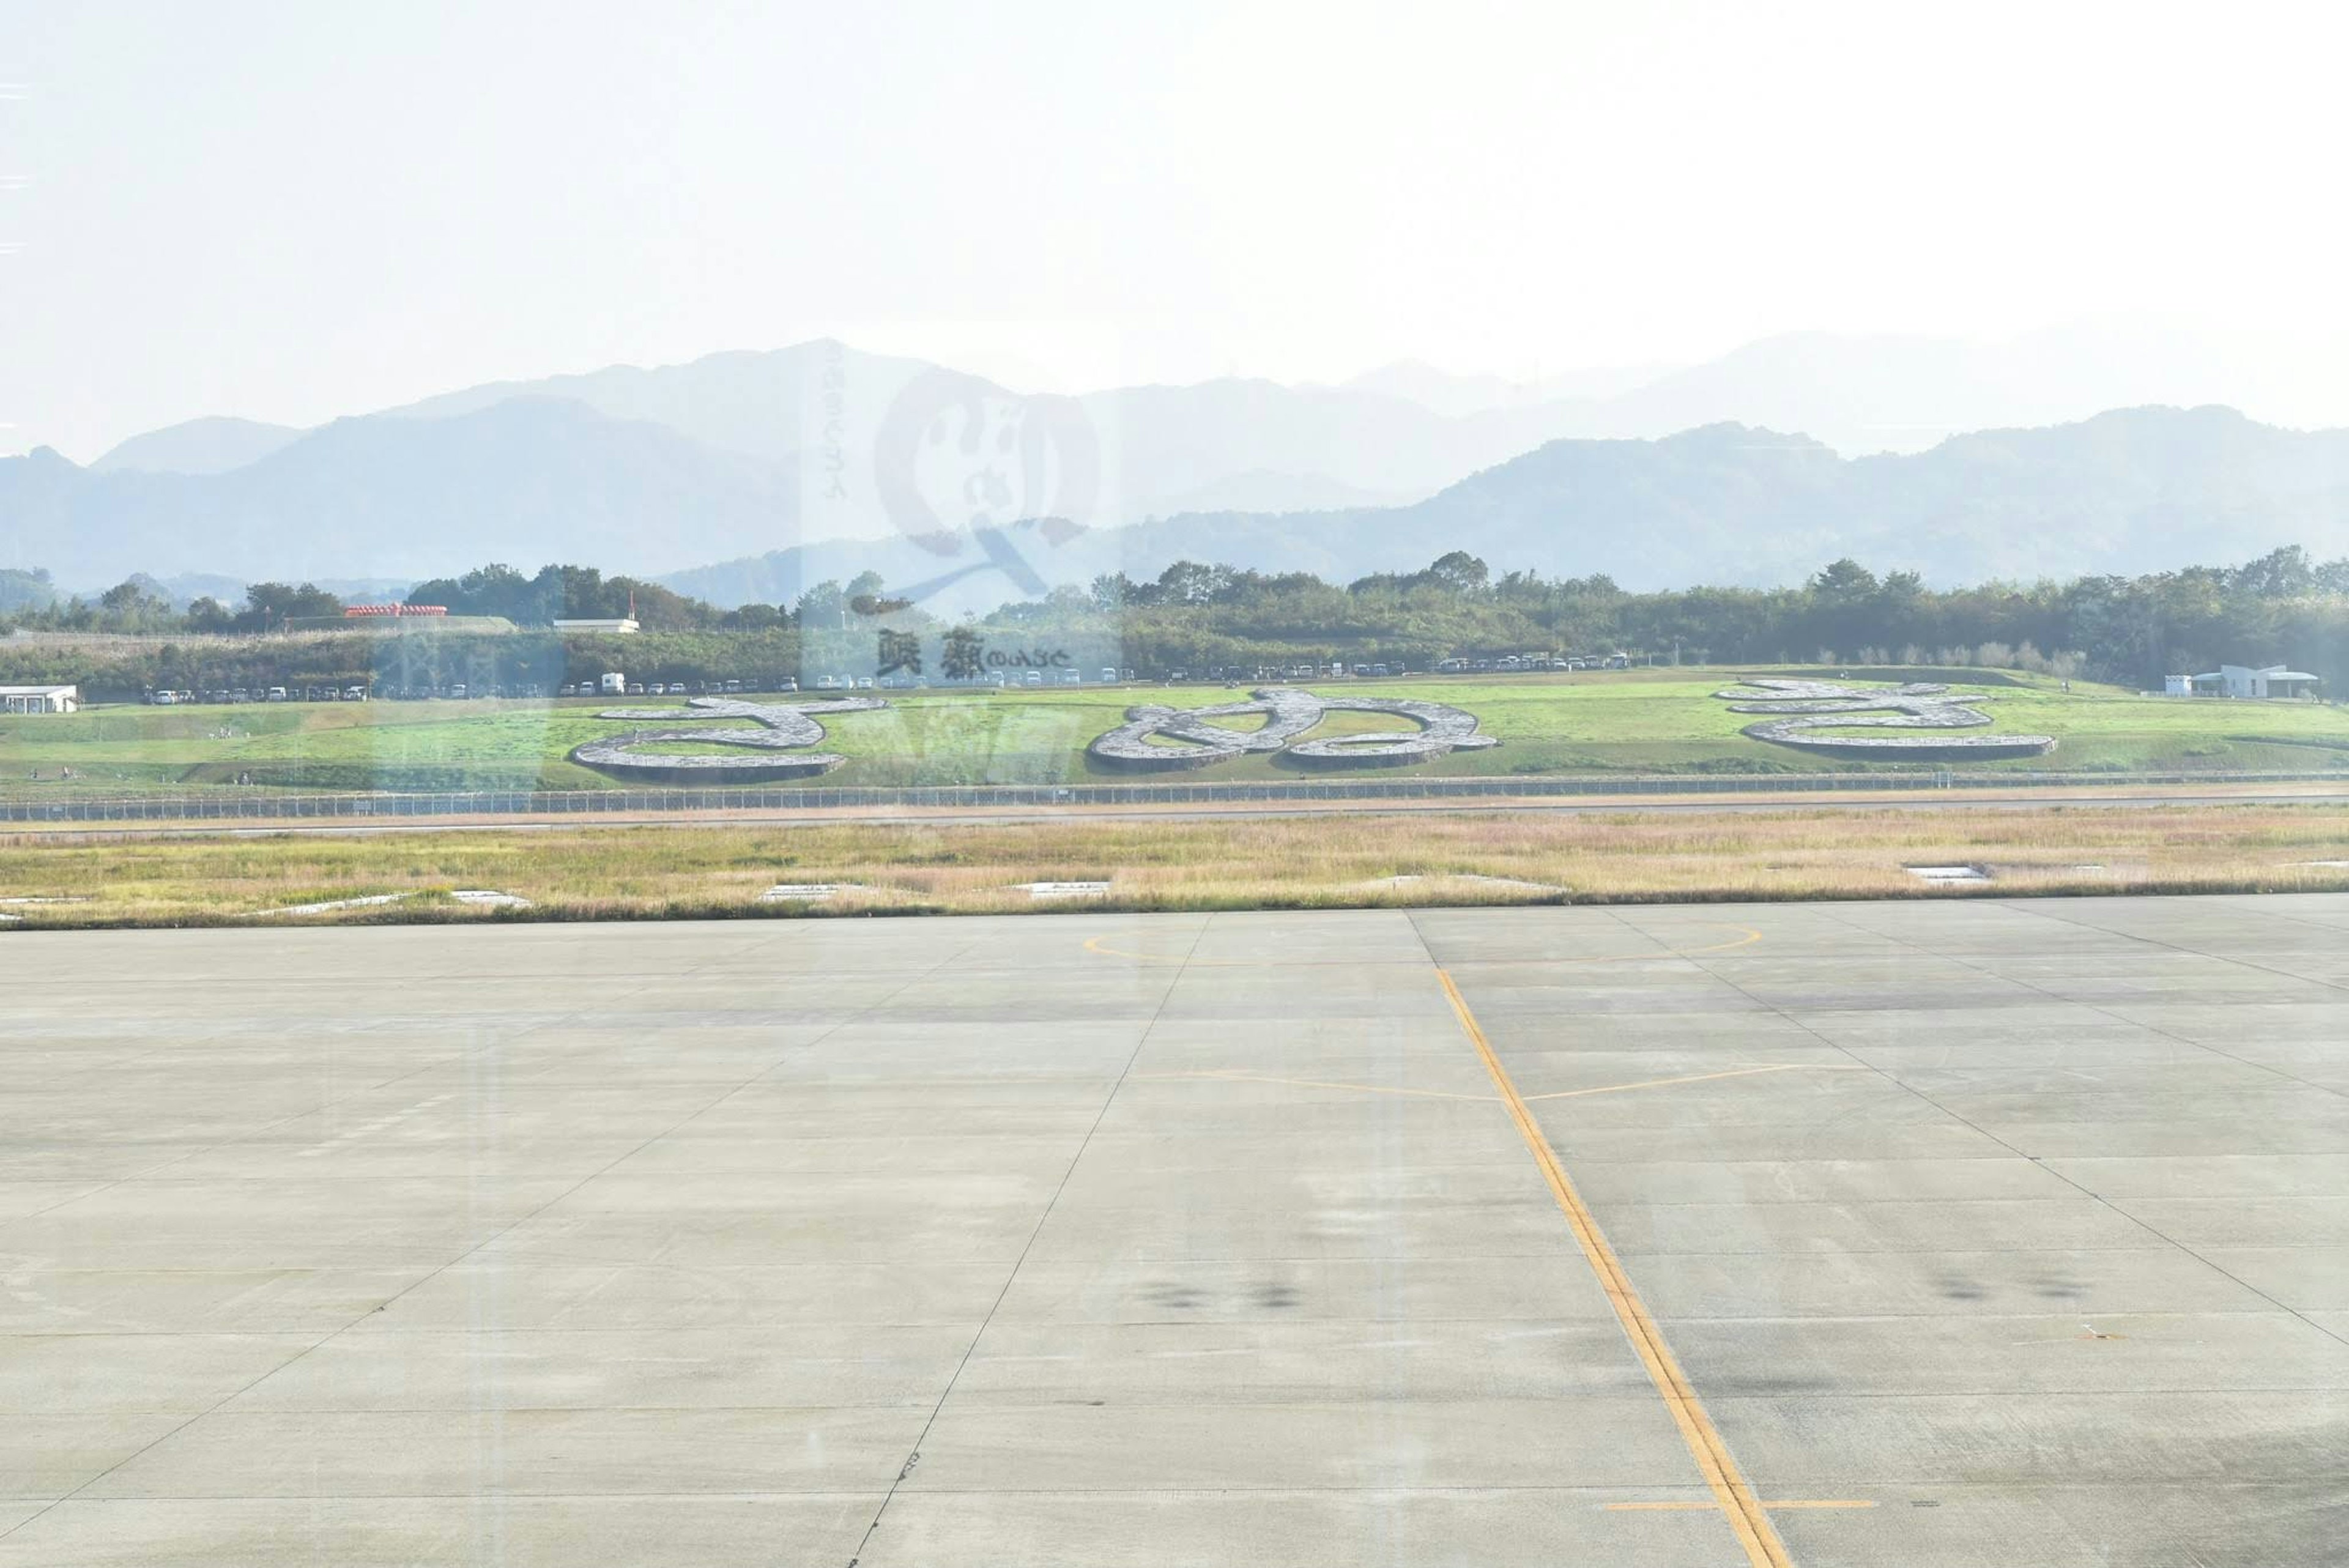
point(293, 210)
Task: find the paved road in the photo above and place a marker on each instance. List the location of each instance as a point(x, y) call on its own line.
point(1956, 800)
point(1840, 1235)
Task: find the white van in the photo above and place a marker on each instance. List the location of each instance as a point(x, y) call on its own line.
point(612, 685)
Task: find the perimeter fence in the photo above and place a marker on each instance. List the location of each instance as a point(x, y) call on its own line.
point(259, 805)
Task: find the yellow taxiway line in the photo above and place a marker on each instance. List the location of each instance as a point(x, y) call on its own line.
point(1732, 1494)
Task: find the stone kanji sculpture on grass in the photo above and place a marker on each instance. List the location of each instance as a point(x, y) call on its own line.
point(781, 727)
point(1155, 737)
point(1805, 714)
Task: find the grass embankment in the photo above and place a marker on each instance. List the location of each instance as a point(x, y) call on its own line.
point(1630, 721)
point(1185, 864)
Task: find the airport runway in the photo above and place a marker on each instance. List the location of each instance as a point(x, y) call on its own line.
point(1894, 1235)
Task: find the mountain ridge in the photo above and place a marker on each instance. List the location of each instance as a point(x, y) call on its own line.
point(824, 451)
point(213, 444)
point(1729, 505)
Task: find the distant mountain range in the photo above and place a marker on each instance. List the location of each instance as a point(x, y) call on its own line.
point(2129, 491)
point(530, 479)
point(819, 458)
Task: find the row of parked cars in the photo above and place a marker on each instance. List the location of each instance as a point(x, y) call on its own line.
point(1338, 670)
point(613, 685)
point(997, 678)
point(620, 685)
point(1513, 663)
point(162, 697)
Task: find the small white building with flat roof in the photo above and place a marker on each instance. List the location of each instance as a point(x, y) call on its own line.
point(2241, 680)
point(624, 625)
point(39, 698)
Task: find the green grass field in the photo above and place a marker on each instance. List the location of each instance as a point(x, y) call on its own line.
point(1638, 721)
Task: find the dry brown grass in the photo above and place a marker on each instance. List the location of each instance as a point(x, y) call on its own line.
point(594, 873)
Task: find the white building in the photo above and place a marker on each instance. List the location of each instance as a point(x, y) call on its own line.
point(622, 624)
point(2241, 680)
point(39, 698)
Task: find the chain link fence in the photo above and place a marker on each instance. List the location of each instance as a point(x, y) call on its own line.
point(224, 806)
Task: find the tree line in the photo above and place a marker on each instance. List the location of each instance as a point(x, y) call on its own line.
point(2283, 608)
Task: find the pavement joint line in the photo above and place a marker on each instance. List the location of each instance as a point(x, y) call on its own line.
point(458, 1058)
point(464, 1058)
point(1228, 1075)
point(1094, 945)
point(636, 988)
point(1012, 1275)
point(2167, 1034)
point(1898, 1082)
point(1732, 1493)
point(1703, 1078)
point(1220, 1075)
point(2115, 1206)
point(2019, 907)
point(1750, 936)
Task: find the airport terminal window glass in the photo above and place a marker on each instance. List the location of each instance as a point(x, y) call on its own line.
point(1035, 785)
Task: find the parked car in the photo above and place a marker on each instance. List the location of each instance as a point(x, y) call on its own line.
point(734, 686)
